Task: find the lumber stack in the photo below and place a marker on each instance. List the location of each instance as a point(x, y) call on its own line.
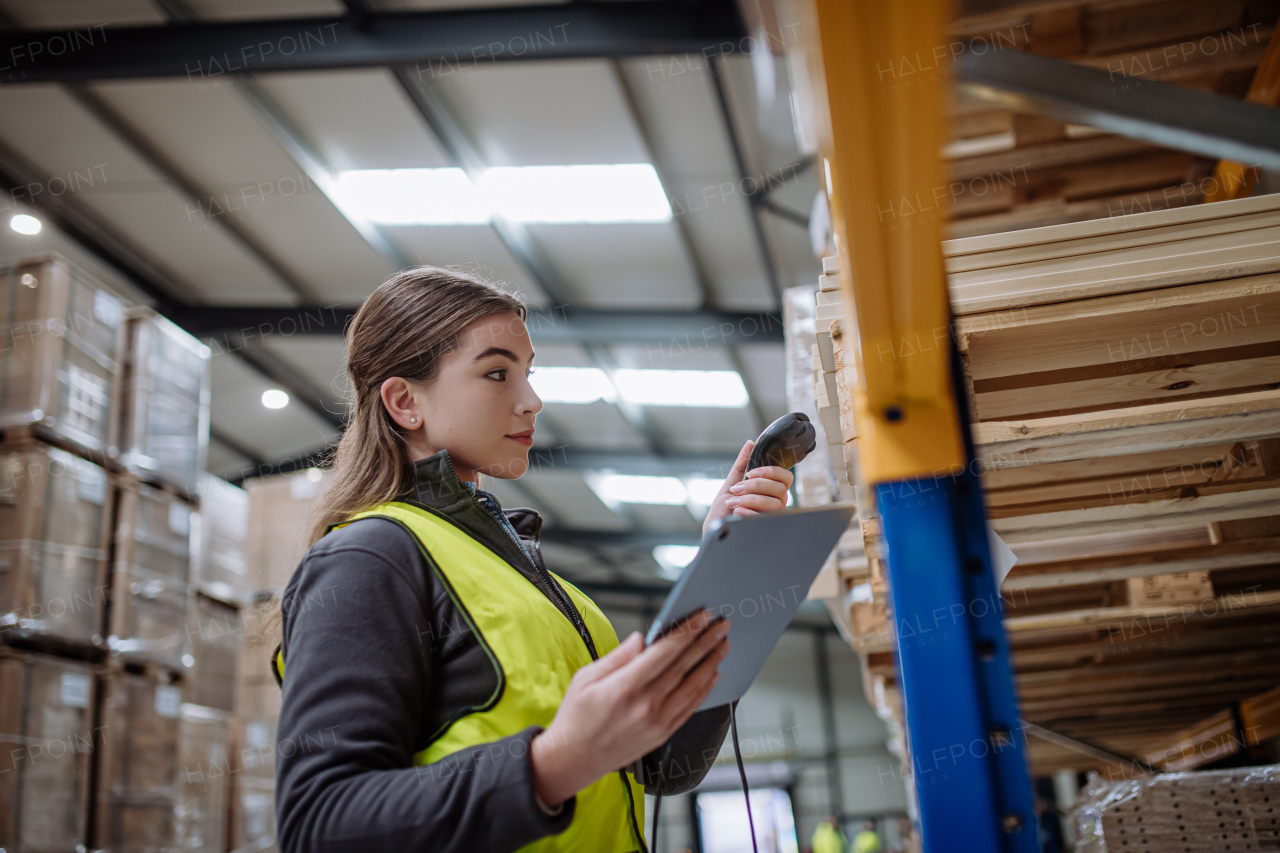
point(1124, 389)
point(1011, 170)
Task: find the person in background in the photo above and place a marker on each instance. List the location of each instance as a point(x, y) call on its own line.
point(867, 840)
point(829, 837)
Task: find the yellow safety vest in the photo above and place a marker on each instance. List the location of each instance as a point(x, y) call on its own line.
point(536, 650)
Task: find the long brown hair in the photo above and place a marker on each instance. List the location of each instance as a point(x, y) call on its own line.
point(403, 329)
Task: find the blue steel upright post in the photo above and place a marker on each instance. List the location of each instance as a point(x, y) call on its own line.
point(967, 750)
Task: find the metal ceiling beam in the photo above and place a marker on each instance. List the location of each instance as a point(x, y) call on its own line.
point(638, 417)
point(1161, 113)
point(330, 410)
point(203, 197)
point(632, 103)
point(289, 137)
point(754, 200)
point(165, 289)
point(670, 332)
point(465, 154)
point(451, 39)
point(701, 274)
point(18, 175)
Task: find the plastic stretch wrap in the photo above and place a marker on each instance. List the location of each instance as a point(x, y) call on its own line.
point(1196, 812)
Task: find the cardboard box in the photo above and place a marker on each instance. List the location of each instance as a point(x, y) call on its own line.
point(220, 566)
point(253, 803)
point(46, 726)
point(214, 636)
point(164, 424)
point(204, 778)
point(58, 360)
point(257, 693)
point(279, 523)
point(137, 762)
point(149, 587)
point(54, 536)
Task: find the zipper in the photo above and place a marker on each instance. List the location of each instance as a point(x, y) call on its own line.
point(540, 568)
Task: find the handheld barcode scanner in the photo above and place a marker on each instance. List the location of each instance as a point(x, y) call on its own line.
point(784, 442)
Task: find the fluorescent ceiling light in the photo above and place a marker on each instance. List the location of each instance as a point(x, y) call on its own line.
point(411, 197)
point(24, 224)
point(572, 384)
point(624, 192)
point(638, 489)
point(274, 398)
point(705, 388)
point(713, 388)
point(702, 491)
point(673, 558)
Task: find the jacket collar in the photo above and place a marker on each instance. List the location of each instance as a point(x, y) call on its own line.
point(435, 485)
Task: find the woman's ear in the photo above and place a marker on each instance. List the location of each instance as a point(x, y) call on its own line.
point(401, 403)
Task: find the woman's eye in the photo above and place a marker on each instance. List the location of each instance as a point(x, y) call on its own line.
point(499, 375)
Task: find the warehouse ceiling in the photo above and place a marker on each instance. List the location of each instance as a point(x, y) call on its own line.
point(216, 188)
point(172, 150)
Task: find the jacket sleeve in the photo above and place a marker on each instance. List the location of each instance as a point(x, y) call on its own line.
point(679, 765)
point(357, 678)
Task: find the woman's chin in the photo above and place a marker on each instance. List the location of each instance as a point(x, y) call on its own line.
point(511, 468)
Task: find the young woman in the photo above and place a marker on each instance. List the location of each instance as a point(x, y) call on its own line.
point(444, 690)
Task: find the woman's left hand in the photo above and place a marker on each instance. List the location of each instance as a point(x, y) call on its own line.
point(749, 492)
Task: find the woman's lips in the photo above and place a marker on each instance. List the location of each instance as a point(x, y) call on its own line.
point(525, 438)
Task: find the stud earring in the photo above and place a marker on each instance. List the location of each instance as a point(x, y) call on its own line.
point(413, 420)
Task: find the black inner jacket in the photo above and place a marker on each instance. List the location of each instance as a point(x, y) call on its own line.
point(379, 661)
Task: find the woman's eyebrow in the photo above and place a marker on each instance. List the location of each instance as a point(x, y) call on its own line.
point(505, 353)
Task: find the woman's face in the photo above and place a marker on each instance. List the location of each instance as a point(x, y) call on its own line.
point(480, 406)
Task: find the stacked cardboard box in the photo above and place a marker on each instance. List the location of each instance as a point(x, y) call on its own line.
point(149, 590)
point(46, 725)
point(280, 515)
point(253, 806)
point(164, 428)
point(257, 694)
point(215, 635)
point(220, 568)
point(138, 779)
point(204, 778)
point(104, 420)
point(59, 358)
point(54, 535)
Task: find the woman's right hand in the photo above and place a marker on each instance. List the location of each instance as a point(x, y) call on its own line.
point(627, 704)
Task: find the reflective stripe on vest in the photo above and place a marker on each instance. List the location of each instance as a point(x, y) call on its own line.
point(535, 650)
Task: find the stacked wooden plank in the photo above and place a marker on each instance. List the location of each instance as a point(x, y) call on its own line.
point(1013, 170)
point(1123, 377)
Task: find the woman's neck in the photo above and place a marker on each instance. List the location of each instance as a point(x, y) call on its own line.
point(419, 449)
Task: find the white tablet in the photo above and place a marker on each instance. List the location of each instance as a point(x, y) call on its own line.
point(756, 572)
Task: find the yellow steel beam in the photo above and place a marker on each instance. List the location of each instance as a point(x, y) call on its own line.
point(1236, 180)
point(884, 65)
